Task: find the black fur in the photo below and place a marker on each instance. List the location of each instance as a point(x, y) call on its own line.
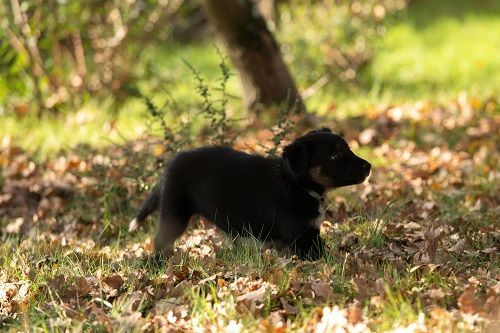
point(275, 199)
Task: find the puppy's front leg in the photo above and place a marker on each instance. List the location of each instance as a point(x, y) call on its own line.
point(308, 244)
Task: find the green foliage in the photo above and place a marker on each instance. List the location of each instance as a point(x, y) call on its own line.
point(283, 126)
point(214, 110)
point(177, 125)
point(332, 39)
point(174, 138)
point(9, 70)
point(74, 49)
point(7, 56)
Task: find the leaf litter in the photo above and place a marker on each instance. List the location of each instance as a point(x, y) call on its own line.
point(428, 263)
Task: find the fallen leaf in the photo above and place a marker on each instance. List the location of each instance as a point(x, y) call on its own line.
point(367, 136)
point(467, 301)
point(253, 301)
point(321, 290)
point(355, 313)
point(289, 309)
point(81, 286)
point(361, 287)
point(114, 281)
point(257, 295)
point(101, 317)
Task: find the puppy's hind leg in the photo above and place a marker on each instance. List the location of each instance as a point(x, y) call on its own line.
point(170, 227)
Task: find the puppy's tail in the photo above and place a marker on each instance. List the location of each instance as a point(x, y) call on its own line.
point(149, 206)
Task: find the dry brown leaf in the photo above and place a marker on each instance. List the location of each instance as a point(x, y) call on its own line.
point(467, 301)
point(435, 294)
point(459, 246)
point(367, 136)
point(268, 326)
point(101, 317)
point(148, 245)
point(277, 320)
point(178, 290)
point(289, 309)
point(114, 281)
point(128, 322)
point(81, 286)
point(492, 303)
point(379, 286)
point(275, 276)
point(7, 291)
point(361, 287)
point(252, 301)
point(257, 295)
point(12, 296)
point(355, 313)
point(134, 300)
point(432, 238)
point(321, 290)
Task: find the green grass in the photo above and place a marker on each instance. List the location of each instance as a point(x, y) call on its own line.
point(434, 50)
point(439, 48)
point(89, 125)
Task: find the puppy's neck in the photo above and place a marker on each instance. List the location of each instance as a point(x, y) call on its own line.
point(315, 195)
point(303, 183)
point(315, 190)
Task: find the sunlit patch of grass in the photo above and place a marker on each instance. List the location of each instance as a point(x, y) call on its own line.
point(209, 311)
point(439, 48)
point(394, 311)
point(432, 51)
point(91, 125)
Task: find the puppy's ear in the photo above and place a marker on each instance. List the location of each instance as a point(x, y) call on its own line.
point(322, 129)
point(297, 157)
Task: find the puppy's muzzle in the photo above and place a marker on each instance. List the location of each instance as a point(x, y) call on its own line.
point(366, 167)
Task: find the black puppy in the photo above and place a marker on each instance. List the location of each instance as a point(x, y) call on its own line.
point(276, 199)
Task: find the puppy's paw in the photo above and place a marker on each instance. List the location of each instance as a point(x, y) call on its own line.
point(163, 256)
point(133, 225)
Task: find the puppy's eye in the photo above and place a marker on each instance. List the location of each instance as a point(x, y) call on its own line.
point(335, 156)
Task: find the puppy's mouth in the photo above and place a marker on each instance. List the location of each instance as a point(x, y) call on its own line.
point(361, 179)
point(330, 183)
point(365, 176)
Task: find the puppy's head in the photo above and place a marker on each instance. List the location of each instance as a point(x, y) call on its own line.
point(325, 159)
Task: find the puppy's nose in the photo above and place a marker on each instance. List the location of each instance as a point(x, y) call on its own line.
point(366, 167)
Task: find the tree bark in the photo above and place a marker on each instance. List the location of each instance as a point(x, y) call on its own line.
point(255, 53)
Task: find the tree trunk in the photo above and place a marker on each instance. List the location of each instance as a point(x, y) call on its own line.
point(255, 53)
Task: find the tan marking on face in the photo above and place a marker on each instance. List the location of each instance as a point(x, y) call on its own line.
point(319, 178)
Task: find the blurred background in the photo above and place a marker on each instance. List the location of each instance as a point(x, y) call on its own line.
point(79, 71)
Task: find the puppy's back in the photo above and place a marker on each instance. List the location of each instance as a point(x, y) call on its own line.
point(223, 183)
point(221, 168)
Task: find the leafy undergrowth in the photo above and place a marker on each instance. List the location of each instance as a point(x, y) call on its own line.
point(413, 249)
